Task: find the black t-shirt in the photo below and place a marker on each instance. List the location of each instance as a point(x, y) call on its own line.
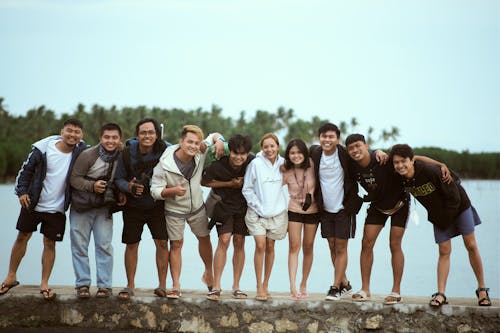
point(233, 200)
point(380, 181)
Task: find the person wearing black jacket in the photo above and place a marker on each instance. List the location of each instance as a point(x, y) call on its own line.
point(337, 197)
point(449, 210)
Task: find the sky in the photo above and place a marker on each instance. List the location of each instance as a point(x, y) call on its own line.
point(429, 67)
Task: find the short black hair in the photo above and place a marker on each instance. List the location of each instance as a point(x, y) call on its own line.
point(328, 127)
point(111, 127)
point(74, 122)
point(148, 120)
point(301, 145)
point(402, 150)
point(354, 138)
point(238, 141)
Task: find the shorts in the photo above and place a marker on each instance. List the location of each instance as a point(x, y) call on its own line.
point(463, 225)
point(338, 225)
point(303, 218)
point(398, 219)
point(53, 224)
point(231, 224)
point(272, 227)
point(197, 222)
point(134, 220)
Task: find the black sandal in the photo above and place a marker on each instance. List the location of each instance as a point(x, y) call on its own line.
point(487, 298)
point(435, 299)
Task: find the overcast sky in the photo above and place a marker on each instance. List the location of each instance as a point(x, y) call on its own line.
point(431, 68)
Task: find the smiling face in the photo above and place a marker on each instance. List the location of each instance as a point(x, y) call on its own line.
point(190, 144)
point(404, 166)
point(71, 135)
point(296, 156)
point(270, 148)
point(238, 158)
point(329, 141)
point(110, 139)
point(358, 151)
point(147, 136)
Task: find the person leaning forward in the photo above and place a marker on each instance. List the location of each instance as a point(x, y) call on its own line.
point(42, 186)
point(176, 179)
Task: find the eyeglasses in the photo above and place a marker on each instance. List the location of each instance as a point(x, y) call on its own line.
point(144, 133)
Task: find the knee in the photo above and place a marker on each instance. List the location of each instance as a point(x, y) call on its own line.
point(223, 244)
point(308, 248)
point(331, 245)
point(23, 237)
point(294, 247)
point(49, 244)
point(162, 244)
point(471, 246)
point(176, 245)
point(132, 247)
point(260, 247)
point(367, 244)
point(395, 245)
point(238, 243)
point(444, 250)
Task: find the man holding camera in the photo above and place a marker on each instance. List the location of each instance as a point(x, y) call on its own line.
point(92, 195)
point(133, 175)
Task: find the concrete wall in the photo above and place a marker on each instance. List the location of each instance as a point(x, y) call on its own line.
point(196, 314)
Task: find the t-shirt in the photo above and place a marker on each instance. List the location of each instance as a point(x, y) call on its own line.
point(54, 185)
point(331, 178)
point(380, 181)
point(299, 183)
point(185, 168)
point(233, 200)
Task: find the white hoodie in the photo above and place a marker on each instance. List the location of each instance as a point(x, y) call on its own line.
point(263, 186)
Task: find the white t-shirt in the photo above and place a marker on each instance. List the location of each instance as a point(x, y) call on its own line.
point(54, 185)
point(331, 179)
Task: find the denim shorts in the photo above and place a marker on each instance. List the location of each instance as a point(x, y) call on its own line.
point(463, 225)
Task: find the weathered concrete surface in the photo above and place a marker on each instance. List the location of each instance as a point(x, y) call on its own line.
point(23, 308)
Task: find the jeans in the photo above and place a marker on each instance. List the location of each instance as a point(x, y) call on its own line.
point(99, 222)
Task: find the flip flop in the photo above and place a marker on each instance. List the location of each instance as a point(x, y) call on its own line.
point(213, 295)
point(48, 295)
point(238, 294)
point(174, 294)
point(362, 296)
point(262, 298)
point(160, 292)
point(125, 294)
point(392, 298)
point(8, 286)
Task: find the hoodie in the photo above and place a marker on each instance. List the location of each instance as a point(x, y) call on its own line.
point(263, 186)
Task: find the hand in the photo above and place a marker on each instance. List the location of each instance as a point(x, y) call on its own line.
point(25, 200)
point(446, 174)
point(135, 188)
point(179, 190)
point(122, 199)
point(203, 147)
point(100, 186)
point(237, 182)
point(219, 149)
point(381, 156)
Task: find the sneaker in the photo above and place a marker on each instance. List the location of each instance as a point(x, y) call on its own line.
point(345, 289)
point(333, 294)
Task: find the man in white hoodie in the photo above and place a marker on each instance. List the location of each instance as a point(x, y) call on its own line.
point(42, 186)
point(176, 179)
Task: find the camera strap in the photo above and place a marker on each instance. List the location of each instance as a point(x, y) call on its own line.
point(303, 184)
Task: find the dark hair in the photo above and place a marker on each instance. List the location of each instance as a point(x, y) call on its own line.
point(239, 141)
point(74, 122)
point(402, 150)
point(329, 127)
point(301, 145)
point(148, 120)
point(111, 127)
point(354, 138)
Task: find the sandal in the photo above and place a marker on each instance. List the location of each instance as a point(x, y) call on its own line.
point(360, 296)
point(262, 298)
point(104, 292)
point(48, 294)
point(238, 294)
point(126, 293)
point(160, 292)
point(5, 287)
point(392, 298)
point(435, 302)
point(174, 294)
point(213, 295)
point(82, 292)
point(485, 301)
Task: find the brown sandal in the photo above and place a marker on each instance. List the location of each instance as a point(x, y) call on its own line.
point(48, 294)
point(82, 292)
point(104, 292)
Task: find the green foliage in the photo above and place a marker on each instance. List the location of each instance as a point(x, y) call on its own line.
point(18, 133)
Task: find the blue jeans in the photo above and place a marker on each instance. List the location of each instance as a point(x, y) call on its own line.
point(99, 222)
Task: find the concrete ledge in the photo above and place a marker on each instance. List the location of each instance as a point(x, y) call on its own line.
point(24, 307)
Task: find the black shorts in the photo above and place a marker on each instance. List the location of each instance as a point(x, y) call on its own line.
point(303, 218)
point(53, 224)
point(338, 225)
point(231, 224)
point(134, 220)
point(398, 219)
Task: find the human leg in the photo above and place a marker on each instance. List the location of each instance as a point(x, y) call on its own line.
point(162, 261)
point(176, 262)
point(103, 235)
point(131, 251)
point(48, 258)
point(294, 241)
point(206, 254)
point(398, 259)
point(443, 268)
point(269, 261)
point(220, 258)
point(477, 266)
point(260, 250)
point(16, 256)
point(238, 259)
point(307, 250)
point(80, 229)
point(370, 234)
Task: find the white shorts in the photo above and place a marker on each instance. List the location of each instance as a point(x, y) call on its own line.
point(272, 227)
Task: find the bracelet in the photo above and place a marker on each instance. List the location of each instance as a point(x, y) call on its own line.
point(221, 138)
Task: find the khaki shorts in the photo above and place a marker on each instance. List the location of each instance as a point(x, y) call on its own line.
point(197, 222)
point(272, 227)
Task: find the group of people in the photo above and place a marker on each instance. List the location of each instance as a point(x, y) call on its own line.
point(265, 196)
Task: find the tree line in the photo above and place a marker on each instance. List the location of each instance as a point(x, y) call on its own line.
point(17, 133)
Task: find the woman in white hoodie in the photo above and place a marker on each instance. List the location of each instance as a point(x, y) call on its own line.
point(266, 216)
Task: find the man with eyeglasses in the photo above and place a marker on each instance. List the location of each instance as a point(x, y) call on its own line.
point(133, 177)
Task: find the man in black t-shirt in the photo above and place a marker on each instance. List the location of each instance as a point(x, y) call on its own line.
point(225, 177)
